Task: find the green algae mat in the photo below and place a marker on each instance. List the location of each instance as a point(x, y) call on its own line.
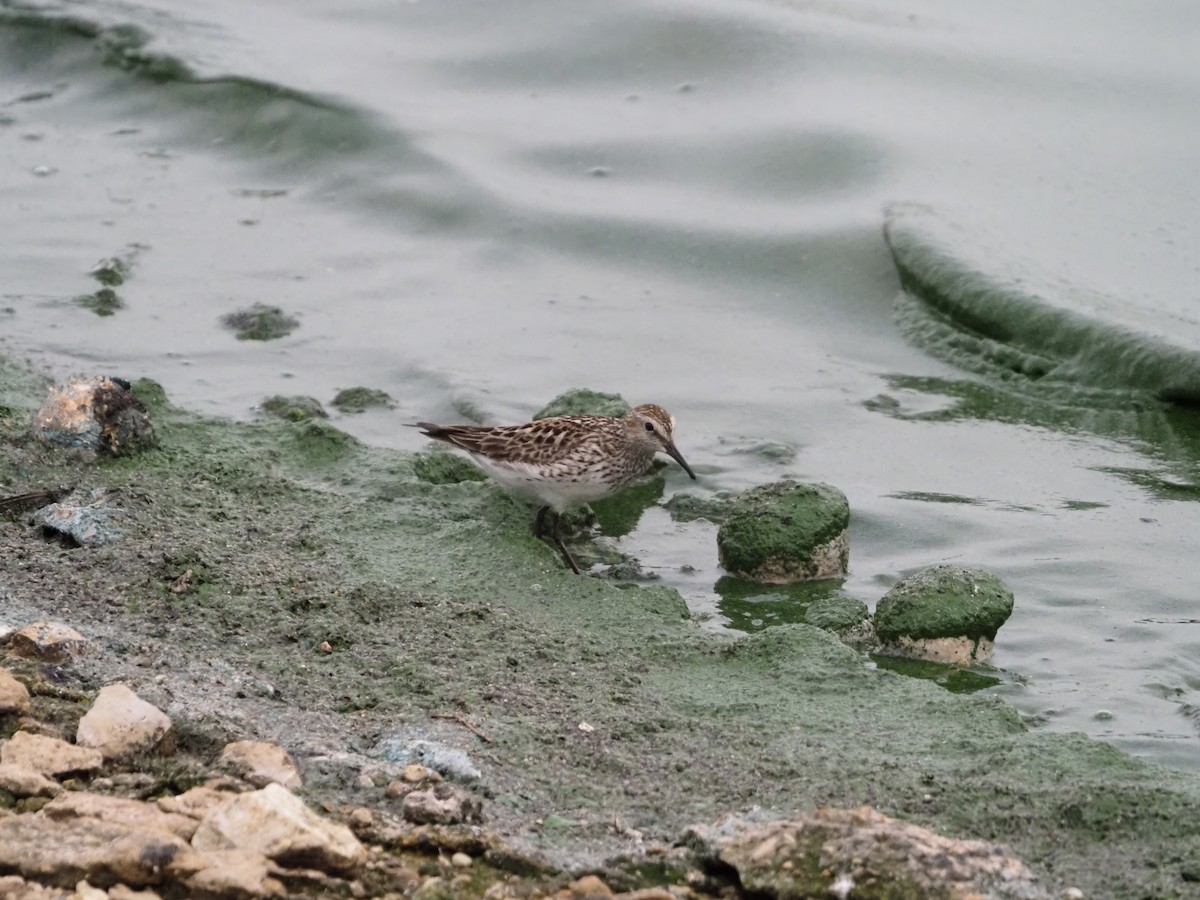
point(283, 581)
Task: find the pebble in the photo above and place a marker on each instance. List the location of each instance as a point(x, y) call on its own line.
point(589, 886)
point(461, 860)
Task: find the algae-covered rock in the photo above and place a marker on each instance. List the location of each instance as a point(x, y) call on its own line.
point(846, 617)
point(295, 408)
point(260, 323)
point(944, 613)
point(862, 853)
point(360, 399)
point(689, 507)
point(446, 468)
point(786, 531)
point(582, 402)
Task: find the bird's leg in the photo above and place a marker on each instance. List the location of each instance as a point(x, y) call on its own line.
point(539, 524)
point(562, 548)
point(555, 534)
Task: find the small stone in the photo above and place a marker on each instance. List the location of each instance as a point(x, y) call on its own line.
point(461, 860)
point(48, 755)
point(25, 782)
point(589, 886)
point(121, 724)
point(261, 763)
point(445, 804)
point(398, 788)
point(361, 817)
point(48, 641)
point(14, 696)
point(325, 647)
point(414, 773)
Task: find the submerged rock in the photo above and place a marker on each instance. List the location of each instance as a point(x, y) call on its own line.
point(296, 408)
point(846, 617)
point(688, 507)
point(786, 531)
point(260, 323)
point(98, 414)
point(360, 399)
point(582, 402)
point(444, 467)
point(945, 614)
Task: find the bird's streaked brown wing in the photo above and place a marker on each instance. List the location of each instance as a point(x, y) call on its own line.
point(540, 442)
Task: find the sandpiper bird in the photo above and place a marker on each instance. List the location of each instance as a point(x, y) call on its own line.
point(564, 461)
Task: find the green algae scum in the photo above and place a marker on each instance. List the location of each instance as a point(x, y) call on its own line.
point(341, 595)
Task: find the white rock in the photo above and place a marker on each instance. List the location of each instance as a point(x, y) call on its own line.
point(276, 823)
point(262, 763)
point(120, 724)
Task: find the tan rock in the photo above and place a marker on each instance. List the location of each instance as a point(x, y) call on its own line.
point(276, 823)
point(415, 773)
point(198, 802)
point(48, 755)
point(262, 763)
point(65, 850)
point(121, 724)
point(48, 641)
point(133, 814)
point(124, 892)
point(236, 873)
point(589, 886)
point(86, 891)
point(853, 846)
point(444, 804)
point(953, 651)
point(24, 782)
point(14, 887)
point(14, 696)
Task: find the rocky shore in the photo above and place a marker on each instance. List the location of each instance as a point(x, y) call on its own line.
point(352, 680)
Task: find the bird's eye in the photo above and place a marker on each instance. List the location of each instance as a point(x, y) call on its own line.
point(649, 426)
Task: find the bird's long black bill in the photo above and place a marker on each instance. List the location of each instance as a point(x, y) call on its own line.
point(678, 457)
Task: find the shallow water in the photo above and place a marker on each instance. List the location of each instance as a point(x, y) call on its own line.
point(474, 208)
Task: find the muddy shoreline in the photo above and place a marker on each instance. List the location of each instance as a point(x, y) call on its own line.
point(345, 609)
